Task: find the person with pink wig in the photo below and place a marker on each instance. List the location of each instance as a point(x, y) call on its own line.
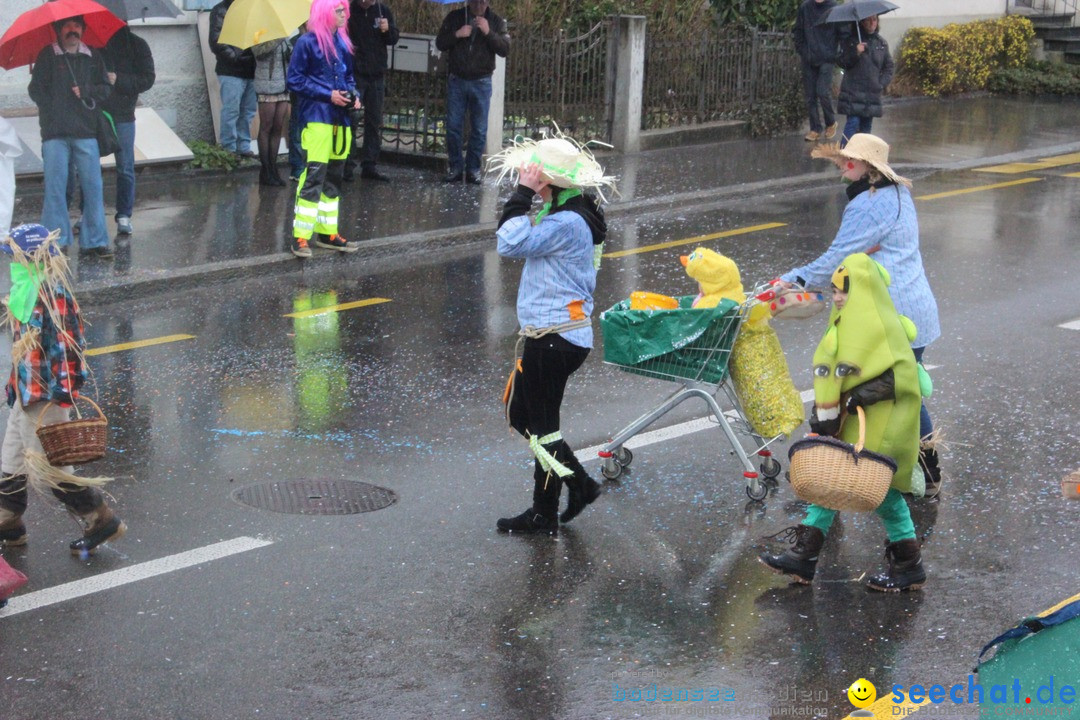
point(321, 77)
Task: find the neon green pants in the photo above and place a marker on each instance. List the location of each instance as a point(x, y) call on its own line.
point(893, 512)
point(319, 190)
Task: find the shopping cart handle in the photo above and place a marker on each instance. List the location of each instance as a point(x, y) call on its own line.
point(767, 296)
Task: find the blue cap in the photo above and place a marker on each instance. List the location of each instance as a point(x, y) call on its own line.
point(29, 238)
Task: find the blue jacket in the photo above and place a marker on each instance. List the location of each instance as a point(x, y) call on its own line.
point(312, 79)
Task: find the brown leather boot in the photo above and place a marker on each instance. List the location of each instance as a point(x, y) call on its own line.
point(905, 568)
point(102, 525)
point(12, 529)
point(798, 562)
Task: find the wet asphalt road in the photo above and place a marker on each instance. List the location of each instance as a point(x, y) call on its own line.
point(422, 610)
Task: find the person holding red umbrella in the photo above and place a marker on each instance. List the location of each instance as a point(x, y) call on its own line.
point(68, 83)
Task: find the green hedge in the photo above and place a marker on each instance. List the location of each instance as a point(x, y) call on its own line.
point(1041, 78)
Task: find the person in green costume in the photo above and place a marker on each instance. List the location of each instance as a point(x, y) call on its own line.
point(865, 360)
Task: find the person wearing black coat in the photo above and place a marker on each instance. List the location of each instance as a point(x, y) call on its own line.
point(868, 69)
point(816, 43)
point(235, 69)
point(472, 37)
point(372, 31)
point(130, 68)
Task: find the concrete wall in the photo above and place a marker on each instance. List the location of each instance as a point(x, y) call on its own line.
point(179, 94)
point(935, 13)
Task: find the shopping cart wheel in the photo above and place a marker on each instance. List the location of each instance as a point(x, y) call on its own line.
point(756, 490)
point(770, 467)
point(624, 457)
point(611, 469)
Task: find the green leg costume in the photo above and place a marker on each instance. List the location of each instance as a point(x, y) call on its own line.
point(893, 512)
point(318, 192)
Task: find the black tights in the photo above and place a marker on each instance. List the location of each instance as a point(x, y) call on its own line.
point(273, 118)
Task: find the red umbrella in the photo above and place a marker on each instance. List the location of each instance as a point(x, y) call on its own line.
point(33, 30)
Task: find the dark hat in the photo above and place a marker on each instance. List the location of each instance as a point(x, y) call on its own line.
point(60, 23)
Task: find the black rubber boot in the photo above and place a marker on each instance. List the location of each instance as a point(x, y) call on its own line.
point(928, 461)
point(529, 522)
point(905, 568)
point(799, 561)
point(581, 491)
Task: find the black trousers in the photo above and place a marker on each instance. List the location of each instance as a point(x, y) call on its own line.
point(81, 500)
point(372, 94)
point(546, 365)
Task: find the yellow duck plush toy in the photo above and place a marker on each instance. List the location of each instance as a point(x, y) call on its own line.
point(763, 385)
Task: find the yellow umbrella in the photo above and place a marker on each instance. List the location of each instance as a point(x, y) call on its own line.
point(250, 22)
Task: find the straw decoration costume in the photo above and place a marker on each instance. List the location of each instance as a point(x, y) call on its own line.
point(561, 249)
point(48, 369)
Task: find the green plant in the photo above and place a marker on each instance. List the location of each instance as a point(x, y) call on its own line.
point(1037, 78)
point(961, 56)
point(212, 157)
point(761, 14)
point(778, 114)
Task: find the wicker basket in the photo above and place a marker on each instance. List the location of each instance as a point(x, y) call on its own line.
point(76, 441)
point(836, 475)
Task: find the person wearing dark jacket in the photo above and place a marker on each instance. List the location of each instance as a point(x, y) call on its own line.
point(816, 44)
point(561, 250)
point(372, 31)
point(68, 84)
point(235, 69)
point(868, 69)
point(472, 36)
point(130, 69)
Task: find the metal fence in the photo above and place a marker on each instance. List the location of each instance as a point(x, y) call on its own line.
point(566, 80)
point(559, 80)
point(718, 76)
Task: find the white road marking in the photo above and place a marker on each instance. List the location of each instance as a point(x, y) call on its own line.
point(1074, 325)
point(675, 431)
point(123, 576)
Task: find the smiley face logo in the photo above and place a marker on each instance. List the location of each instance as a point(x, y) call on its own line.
point(862, 693)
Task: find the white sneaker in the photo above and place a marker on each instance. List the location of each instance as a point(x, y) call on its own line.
point(123, 225)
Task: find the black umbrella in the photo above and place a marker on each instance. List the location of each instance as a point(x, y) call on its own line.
point(140, 9)
point(856, 10)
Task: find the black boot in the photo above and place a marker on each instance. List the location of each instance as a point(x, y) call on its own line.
point(542, 517)
point(529, 522)
point(581, 489)
point(799, 561)
point(928, 461)
point(905, 568)
point(102, 525)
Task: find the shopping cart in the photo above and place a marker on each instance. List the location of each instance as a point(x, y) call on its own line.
point(693, 348)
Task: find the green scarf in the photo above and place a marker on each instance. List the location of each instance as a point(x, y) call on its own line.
point(563, 197)
point(25, 285)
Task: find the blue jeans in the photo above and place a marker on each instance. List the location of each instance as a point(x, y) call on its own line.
point(474, 97)
point(125, 169)
point(855, 124)
point(926, 426)
point(296, 152)
point(238, 106)
point(56, 154)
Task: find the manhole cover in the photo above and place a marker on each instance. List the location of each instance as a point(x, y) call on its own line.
point(316, 497)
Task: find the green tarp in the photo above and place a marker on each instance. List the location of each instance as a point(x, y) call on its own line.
point(672, 344)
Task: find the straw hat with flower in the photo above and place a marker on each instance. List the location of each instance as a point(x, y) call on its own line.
point(565, 162)
point(871, 149)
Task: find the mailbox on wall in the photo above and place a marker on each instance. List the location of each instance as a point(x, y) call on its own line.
point(414, 53)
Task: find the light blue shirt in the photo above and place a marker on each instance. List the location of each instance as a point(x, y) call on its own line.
point(882, 223)
point(558, 270)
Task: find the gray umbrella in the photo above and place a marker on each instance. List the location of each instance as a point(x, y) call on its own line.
point(856, 10)
point(140, 9)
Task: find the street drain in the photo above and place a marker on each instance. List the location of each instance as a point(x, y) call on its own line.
point(316, 497)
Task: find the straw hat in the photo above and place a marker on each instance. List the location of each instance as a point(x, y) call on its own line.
point(565, 162)
point(871, 149)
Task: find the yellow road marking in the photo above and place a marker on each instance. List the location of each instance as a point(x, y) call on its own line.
point(885, 708)
point(337, 308)
point(694, 240)
point(1022, 167)
point(1076, 175)
point(138, 344)
point(979, 188)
